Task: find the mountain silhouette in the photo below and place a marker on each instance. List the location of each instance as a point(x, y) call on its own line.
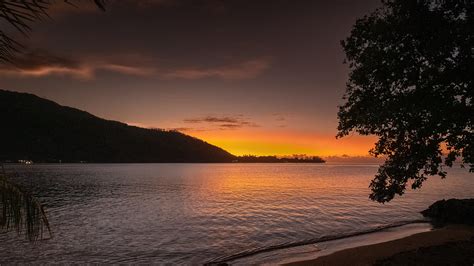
point(41, 130)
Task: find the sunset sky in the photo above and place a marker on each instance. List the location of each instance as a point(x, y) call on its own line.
point(253, 77)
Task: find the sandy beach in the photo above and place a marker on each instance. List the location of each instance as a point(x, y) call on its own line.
point(444, 242)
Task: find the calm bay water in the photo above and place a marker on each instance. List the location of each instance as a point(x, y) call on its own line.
point(195, 213)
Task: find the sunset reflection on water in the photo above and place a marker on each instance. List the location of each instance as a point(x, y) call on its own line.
point(193, 213)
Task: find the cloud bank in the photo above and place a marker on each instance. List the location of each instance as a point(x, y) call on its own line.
point(42, 63)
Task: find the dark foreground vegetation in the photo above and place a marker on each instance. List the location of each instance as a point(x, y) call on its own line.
point(40, 130)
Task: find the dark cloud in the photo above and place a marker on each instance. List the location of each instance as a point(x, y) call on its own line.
point(180, 129)
point(225, 122)
point(36, 59)
point(40, 63)
point(230, 126)
point(212, 119)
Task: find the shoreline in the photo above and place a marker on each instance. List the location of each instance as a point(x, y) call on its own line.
point(311, 249)
point(370, 254)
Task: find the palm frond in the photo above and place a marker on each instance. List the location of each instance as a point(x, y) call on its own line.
point(21, 211)
point(20, 14)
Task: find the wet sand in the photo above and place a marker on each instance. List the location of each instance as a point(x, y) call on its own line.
point(459, 235)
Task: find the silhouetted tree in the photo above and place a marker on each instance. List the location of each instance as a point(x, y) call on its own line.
point(411, 84)
point(20, 14)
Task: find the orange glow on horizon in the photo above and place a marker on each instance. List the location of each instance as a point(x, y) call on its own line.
point(255, 142)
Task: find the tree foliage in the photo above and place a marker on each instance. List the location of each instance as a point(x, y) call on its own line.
point(411, 85)
point(20, 211)
point(20, 14)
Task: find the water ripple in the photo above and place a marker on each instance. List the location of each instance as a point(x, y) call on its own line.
point(205, 213)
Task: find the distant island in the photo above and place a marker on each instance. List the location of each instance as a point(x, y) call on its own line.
point(279, 159)
point(36, 130)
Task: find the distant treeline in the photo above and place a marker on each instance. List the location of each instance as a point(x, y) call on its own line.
point(277, 159)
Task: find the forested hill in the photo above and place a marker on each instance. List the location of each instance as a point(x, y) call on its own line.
point(43, 131)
